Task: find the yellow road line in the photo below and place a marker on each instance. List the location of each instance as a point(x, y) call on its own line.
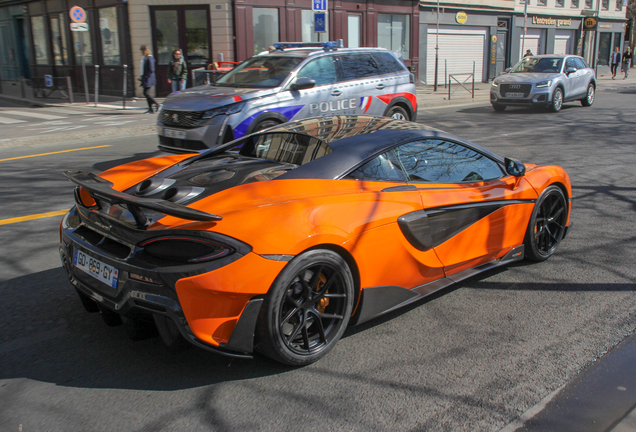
point(33, 217)
point(52, 153)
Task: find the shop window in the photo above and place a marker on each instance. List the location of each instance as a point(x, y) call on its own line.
point(60, 43)
point(605, 5)
point(575, 4)
point(394, 33)
point(308, 33)
point(619, 5)
point(589, 4)
point(167, 35)
point(196, 29)
point(82, 43)
point(266, 28)
point(110, 36)
point(39, 40)
point(354, 30)
point(559, 3)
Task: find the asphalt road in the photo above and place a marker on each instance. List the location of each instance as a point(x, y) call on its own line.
point(471, 358)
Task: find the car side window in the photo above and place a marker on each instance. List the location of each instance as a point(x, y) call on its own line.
point(569, 63)
point(383, 168)
point(322, 70)
point(439, 161)
point(387, 63)
point(355, 66)
point(580, 64)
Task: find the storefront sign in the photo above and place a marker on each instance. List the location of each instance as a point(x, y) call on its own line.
point(551, 21)
point(461, 17)
point(590, 24)
point(493, 50)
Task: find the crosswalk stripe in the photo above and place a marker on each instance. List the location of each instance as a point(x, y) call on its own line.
point(64, 111)
point(5, 120)
point(33, 115)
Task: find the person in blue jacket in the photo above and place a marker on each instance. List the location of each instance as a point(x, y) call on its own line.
point(148, 78)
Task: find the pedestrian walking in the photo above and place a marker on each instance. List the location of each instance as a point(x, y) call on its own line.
point(627, 61)
point(148, 78)
point(178, 71)
point(616, 60)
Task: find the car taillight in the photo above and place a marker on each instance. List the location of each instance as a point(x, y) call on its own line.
point(185, 249)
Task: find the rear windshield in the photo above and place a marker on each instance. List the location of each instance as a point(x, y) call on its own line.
point(291, 148)
point(533, 64)
point(260, 72)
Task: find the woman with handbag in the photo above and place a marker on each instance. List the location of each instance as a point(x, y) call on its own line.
point(178, 76)
point(148, 78)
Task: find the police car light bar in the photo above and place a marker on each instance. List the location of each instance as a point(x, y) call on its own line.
point(331, 45)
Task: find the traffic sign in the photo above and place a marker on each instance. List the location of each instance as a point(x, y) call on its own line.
point(319, 5)
point(79, 27)
point(319, 22)
point(48, 80)
point(78, 14)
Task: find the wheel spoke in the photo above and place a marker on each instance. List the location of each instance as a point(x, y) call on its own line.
point(288, 317)
point(330, 316)
point(306, 337)
point(558, 213)
point(298, 327)
point(292, 300)
point(327, 285)
point(550, 234)
point(321, 328)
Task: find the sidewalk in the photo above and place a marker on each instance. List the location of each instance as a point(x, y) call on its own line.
point(426, 96)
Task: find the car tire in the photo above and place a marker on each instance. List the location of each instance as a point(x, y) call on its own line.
point(588, 100)
point(307, 309)
point(398, 113)
point(557, 100)
point(547, 225)
point(265, 124)
point(498, 107)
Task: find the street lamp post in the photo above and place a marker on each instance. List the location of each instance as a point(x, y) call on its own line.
point(437, 49)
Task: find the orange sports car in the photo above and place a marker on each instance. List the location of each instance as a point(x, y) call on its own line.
point(277, 241)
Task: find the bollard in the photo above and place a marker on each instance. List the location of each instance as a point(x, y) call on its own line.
point(473, 80)
point(445, 71)
point(70, 89)
point(96, 83)
point(125, 86)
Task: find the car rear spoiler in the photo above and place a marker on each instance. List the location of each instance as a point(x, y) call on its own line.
point(100, 188)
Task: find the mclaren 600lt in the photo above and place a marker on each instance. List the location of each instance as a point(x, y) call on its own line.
point(276, 242)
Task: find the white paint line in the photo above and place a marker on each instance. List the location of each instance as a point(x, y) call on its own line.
point(103, 118)
point(65, 128)
point(470, 123)
point(5, 120)
point(64, 111)
point(533, 411)
point(33, 115)
point(523, 132)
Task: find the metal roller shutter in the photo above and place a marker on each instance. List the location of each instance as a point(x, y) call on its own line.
point(563, 42)
point(459, 47)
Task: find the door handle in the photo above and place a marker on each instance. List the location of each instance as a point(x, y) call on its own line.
point(336, 93)
point(380, 86)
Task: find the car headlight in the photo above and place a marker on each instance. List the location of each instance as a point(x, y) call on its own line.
point(543, 84)
point(494, 84)
point(224, 110)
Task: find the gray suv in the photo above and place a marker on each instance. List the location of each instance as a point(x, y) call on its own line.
point(545, 80)
point(294, 81)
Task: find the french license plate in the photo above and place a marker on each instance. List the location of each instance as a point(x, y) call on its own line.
point(515, 95)
point(171, 133)
point(96, 268)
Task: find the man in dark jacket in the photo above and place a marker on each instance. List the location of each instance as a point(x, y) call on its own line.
point(148, 78)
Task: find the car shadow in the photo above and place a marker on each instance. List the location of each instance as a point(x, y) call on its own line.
point(515, 110)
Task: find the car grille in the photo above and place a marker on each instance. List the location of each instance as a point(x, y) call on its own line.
point(182, 144)
point(516, 88)
point(182, 119)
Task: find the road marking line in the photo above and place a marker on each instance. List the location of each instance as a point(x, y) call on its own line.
point(64, 111)
point(63, 128)
point(5, 120)
point(52, 153)
point(33, 217)
point(33, 115)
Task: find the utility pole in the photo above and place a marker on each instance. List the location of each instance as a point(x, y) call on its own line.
point(525, 27)
point(437, 49)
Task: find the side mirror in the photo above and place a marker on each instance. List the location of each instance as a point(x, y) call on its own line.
point(514, 167)
point(303, 83)
point(570, 70)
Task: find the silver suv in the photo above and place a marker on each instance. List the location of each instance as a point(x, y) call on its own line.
point(292, 82)
point(545, 80)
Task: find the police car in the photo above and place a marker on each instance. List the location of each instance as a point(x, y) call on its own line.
point(292, 82)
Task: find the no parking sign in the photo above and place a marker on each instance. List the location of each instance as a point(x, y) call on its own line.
point(77, 14)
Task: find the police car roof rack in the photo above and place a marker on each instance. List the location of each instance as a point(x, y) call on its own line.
point(327, 46)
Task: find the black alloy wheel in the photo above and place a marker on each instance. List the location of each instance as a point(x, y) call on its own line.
point(265, 124)
point(498, 107)
point(588, 100)
point(557, 100)
point(307, 309)
point(398, 113)
point(547, 225)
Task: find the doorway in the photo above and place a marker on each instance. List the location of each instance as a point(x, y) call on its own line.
point(186, 28)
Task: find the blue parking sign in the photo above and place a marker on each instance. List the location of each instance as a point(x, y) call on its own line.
point(319, 22)
point(48, 80)
point(319, 5)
